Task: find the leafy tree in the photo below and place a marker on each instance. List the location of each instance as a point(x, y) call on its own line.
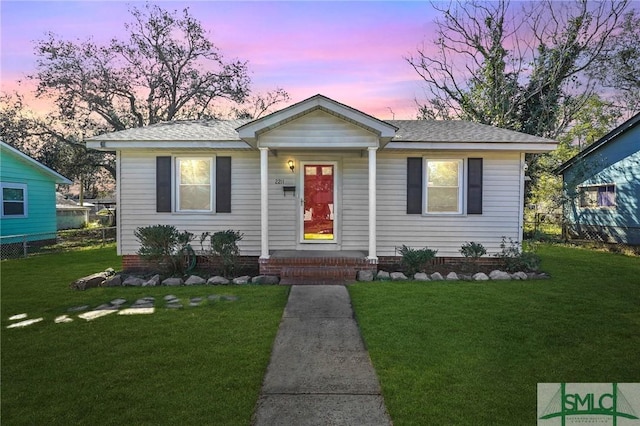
point(593, 121)
point(165, 68)
point(54, 146)
point(258, 105)
point(618, 67)
point(517, 69)
point(520, 68)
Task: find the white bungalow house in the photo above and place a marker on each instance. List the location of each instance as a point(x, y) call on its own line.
point(325, 179)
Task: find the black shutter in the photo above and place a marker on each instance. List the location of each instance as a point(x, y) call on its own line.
point(414, 185)
point(474, 186)
point(163, 184)
point(223, 184)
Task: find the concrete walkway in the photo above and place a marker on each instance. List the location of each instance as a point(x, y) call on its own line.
point(320, 372)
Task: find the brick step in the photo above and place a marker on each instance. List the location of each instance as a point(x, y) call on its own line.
point(299, 281)
point(318, 273)
point(342, 262)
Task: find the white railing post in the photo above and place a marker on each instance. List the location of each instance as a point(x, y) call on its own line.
point(264, 203)
point(373, 257)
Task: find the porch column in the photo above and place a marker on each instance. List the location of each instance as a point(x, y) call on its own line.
point(373, 258)
point(264, 203)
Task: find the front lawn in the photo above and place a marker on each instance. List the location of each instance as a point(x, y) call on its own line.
point(196, 365)
point(472, 353)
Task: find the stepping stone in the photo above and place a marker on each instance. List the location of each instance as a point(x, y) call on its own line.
point(106, 307)
point(17, 317)
point(78, 308)
point(144, 301)
point(229, 298)
point(174, 306)
point(118, 302)
point(63, 319)
point(213, 297)
point(170, 297)
point(195, 301)
point(25, 323)
point(137, 311)
point(142, 306)
point(91, 315)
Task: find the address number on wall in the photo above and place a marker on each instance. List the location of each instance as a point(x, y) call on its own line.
point(279, 181)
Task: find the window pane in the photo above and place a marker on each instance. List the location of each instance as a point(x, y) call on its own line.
point(194, 184)
point(443, 173)
point(195, 197)
point(442, 200)
point(443, 186)
point(588, 197)
point(13, 209)
point(12, 194)
point(606, 196)
point(195, 171)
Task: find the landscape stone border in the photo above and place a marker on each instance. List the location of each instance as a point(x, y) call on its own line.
point(495, 275)
point(109, 278)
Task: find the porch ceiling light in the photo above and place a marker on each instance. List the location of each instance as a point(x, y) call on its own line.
point(291, 165)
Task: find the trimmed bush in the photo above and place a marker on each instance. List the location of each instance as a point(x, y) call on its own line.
point(415, 260)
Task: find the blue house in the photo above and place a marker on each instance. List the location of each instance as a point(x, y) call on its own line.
point(28, 209)
point(602, 187)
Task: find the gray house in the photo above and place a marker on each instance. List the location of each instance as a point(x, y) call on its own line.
point(320, 178)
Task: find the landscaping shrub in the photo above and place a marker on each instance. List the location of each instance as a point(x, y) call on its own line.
point(224, 248)
point(515, 259)
point(472, 252)
point(166, 248)
point(414, 260)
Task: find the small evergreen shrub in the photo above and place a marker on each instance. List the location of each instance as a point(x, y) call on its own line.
point(414, 260)
point(515, 259)
point(472, 250)
point(166, 248)
point(224, 248)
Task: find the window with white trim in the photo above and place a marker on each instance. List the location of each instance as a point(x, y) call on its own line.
point(444, 184)
point(598, 196)
point(194, 184)
point(14, 200)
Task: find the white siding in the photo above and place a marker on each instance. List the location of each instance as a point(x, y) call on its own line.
point(318, 129)
point(446, 233)
point(351, 191)
point(501, 203)
point(137, 207)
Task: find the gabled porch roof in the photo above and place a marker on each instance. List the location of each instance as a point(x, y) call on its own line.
point(251, 131)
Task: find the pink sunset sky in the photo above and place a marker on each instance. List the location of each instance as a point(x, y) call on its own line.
point(352, 52)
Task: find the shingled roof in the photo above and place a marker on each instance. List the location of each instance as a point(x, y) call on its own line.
point(408, 131)
point(179, 130)
point(457, 131)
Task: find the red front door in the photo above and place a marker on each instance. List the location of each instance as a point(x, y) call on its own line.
point(319, 202)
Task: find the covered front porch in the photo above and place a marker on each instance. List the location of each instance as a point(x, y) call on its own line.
point(315, 266)
point(316, 151)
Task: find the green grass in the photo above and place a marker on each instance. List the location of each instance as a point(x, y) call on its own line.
point(201, 365)
point(472, 353)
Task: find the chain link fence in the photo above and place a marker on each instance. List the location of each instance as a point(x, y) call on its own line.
point(16, 246)
point(543, 226)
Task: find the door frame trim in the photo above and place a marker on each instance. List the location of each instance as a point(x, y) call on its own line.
point(337, 213)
